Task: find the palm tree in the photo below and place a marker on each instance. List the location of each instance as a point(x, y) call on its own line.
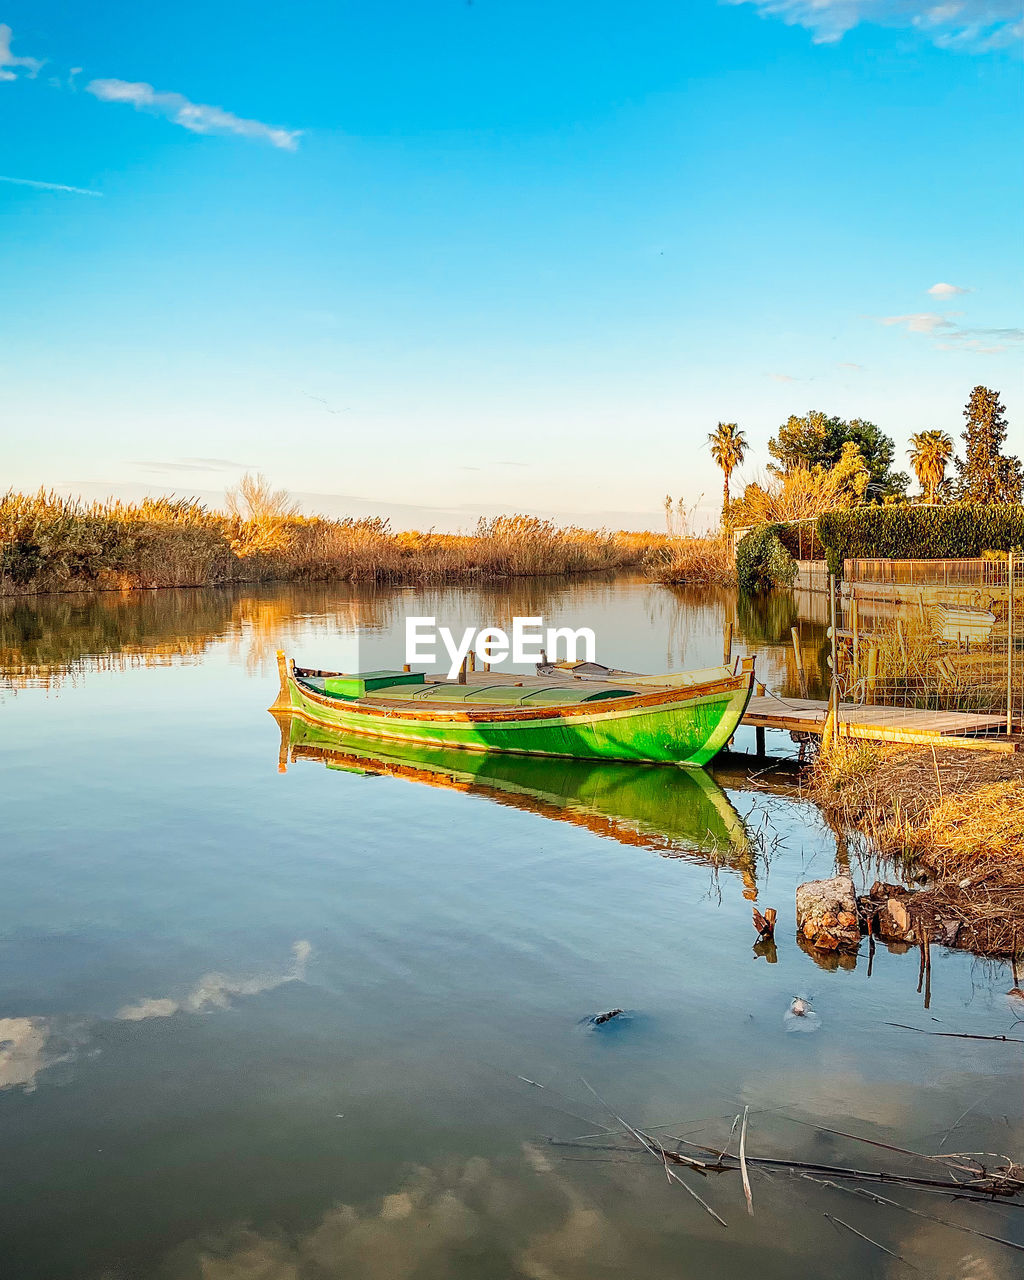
point(728, 448)
point(930, 454)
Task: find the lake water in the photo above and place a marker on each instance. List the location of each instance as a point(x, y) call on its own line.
point(268, 1015)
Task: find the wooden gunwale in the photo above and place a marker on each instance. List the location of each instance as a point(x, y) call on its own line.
point(554, 711)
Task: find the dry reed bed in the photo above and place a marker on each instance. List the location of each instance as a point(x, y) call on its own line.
point(50, 543)
point(956, 816)
point(701, 561)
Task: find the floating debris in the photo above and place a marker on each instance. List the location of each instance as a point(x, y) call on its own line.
point(765, 924)
point(605, 1017)
point(800, 1016)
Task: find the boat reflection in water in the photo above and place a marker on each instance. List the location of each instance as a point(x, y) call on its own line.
point(678, 813)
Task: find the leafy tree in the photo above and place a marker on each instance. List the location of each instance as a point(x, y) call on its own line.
point(806, 492)
point(986, 474)
point(817, 440)
point(930, 453)
point(728, 448)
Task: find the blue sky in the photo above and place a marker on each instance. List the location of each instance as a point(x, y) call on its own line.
point(438, 257)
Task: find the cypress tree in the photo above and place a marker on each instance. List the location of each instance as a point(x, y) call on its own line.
point(985, 473)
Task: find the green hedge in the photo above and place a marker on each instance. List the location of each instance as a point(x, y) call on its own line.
point(919, 533)
point(800, 540)
point(762, 561)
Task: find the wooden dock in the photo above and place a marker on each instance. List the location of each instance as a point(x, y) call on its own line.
point(884, 724)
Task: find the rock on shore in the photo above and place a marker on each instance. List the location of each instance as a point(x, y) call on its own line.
point(826, 913)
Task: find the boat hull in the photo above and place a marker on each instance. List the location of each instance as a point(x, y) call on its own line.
point(682, 726)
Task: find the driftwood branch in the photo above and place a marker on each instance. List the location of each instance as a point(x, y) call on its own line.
point(660, 1153)
point(743, 1164)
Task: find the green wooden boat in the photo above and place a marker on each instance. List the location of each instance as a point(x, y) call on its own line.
point(679, 813)
point(683, 718)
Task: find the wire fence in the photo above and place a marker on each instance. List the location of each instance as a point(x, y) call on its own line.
point(944, 637)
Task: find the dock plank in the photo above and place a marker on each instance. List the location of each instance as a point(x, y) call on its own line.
point(880, 723)
point(807, 715)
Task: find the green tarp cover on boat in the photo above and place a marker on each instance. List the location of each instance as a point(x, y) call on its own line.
point(500, 694)
point(357, 686)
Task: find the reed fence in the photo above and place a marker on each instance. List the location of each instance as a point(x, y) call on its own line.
point(945, 636)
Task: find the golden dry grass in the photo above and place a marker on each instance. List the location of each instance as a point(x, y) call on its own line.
point(702, 561)
point(956, 815)
point(981, 823)
point(51, 543)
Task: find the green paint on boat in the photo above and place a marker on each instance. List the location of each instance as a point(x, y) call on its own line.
point(359, 686)
point(681, 721)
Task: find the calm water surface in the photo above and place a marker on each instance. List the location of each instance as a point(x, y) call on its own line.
point(282, 1025)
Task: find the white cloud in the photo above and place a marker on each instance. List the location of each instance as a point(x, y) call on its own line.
point(984, 341)
point(194, 464)
point(782, 377)
point(195, 116)
point(943, 290)
point(849, 364)
point(8, 60)
point(921, 321)
point(50, 186)
point(978, 25)
point(954, 337)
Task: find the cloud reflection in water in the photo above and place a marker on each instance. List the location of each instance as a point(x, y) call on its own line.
point(29, 1045)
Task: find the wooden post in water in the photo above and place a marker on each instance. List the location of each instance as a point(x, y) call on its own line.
point(759, 746)
point(855, 628)
point(797, 653)
point(462, 670)
point(833, 693)
point(727, 645)
point(1009, 643)
point(903, 643)
point(471, 659)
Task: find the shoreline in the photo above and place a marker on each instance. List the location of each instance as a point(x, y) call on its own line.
point(952, 822)
point(457, 578)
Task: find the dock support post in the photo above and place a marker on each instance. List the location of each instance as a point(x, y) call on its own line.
point(1009, 642)
point(759, 740)
point(833, 696)
point(727, 645)
point(872, 672)
point(799, 661)
point(462, 671)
